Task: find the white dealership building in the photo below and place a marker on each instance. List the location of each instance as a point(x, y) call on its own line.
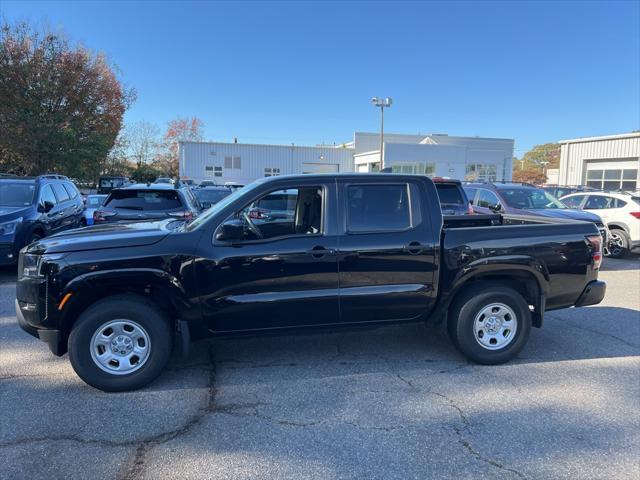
point(610, 162)
point(472, 158)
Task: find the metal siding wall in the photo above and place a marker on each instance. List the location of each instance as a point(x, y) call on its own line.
point(574, 155)
point(254, 159)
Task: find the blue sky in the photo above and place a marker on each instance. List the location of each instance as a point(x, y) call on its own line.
point(304, 72)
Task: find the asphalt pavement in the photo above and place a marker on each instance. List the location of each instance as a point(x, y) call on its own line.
point(394, 402)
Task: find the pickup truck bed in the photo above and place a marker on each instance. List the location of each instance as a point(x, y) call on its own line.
point(354, 249)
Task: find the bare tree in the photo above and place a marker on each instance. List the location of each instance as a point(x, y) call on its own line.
point(143, 142)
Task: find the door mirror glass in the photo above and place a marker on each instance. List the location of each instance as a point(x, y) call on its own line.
point(231, 231)
point(495, 207)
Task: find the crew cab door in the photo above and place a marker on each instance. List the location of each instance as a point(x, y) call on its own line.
point(283, 272)
point(386, 250)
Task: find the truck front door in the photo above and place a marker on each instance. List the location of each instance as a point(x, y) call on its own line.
point(283, 272)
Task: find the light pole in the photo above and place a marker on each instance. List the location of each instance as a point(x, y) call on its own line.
point(382, 103)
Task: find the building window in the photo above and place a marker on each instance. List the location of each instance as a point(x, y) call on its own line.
point(211, 171)
point(232, 162)
point(217, 171)
point(615, 179)
point(271, 172)
point(421, 168)
point(479, 172)
point(228, 162)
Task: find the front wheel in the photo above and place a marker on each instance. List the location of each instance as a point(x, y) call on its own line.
point(490, 324)
point(120, 343)
point(619, 243)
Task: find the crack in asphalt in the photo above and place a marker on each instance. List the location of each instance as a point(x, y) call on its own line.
point(598, 332)
point(462, 440)
point(137, 466)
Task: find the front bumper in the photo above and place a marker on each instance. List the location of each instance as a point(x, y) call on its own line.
point(49, 336)
point(592, 294)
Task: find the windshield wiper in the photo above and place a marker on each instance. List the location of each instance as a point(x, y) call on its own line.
point(130, 207)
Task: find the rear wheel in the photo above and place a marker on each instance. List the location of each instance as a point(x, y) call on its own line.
point(120, 343)
point(489, 324)
point(619, 243)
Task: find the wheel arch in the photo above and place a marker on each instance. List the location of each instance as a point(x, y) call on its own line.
point(528, 283)
point(156, 286)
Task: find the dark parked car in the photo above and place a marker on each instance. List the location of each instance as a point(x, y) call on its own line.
point(521, 199)
point(33, 208)
point(144, 202)
point(559, 191)
point(108, 183)
point(453, 198)
point(209, 196)
point(360, 249)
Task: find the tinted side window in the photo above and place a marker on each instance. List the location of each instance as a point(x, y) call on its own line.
point(61, 193)
point(46, 194)
point(378, 208)
point(71, 189)
point(573, 202)
point(598, 202)
point(487, 199)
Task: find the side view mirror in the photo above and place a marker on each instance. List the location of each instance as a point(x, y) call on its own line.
point(46, 206)
point(496, 207)
point(232, 231)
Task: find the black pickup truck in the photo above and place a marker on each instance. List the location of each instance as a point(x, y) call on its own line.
point(357, 249)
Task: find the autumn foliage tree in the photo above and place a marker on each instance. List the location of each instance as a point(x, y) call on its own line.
point(178, 130)
point(532, 166)
point(61, 106)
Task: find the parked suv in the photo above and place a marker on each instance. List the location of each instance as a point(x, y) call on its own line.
point(144, 202)
point(528, 200)
point(35, 207)
point(559, 191)
point(619, 210)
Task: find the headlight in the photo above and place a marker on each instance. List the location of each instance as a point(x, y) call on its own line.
point(8, 228)
point(30, 265)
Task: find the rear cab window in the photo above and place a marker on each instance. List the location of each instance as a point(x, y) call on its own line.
point(375, 208)
point(144, 200)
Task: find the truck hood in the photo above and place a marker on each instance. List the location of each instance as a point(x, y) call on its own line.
point(566, 213)
point(111, 235)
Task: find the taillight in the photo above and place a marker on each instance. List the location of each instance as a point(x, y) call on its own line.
point(596, 250)
point(186, 215)
point(258, 214)
point(101, 216)
point(635, 214)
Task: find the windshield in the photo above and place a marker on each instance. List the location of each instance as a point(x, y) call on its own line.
point(94, 201)
point(16, 194)
point(112, 182)
point(222, 204)
point(450, 194)
point(211, 196)
point(530, 198)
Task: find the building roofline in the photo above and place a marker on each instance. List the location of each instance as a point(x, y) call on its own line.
point(601, 138)
point(327, 147)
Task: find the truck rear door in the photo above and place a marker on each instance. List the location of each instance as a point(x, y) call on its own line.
point(387, 250)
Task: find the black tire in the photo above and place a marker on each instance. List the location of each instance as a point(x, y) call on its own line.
point(619, 244)
point(469, 304)
point(132, 308)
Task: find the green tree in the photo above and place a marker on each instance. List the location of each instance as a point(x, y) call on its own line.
point(61, 106)
point(546, 155)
